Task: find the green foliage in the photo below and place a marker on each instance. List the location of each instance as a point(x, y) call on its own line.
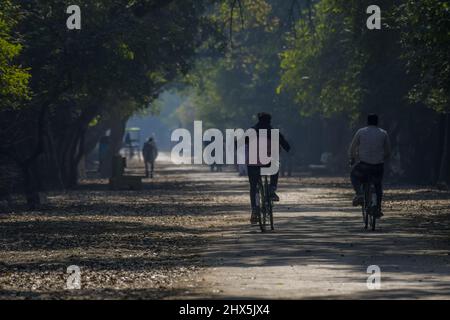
point(90, 80)
point(299, 59)
point(322, 66)
point(229, 90)
point(338, 66)
point(116, 65)
point(425, 37)
point(13, 77)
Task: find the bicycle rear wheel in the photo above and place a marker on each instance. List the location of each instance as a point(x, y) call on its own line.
point(364, 216)
point(269, 203)
point(369, 209)
point(373, 213)
point(374, 207)
point(261, 202)
point(271, 218)
point(373, 221)
point(366, 206)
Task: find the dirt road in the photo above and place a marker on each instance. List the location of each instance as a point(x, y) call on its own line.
point(319, 248)
point(186, 235)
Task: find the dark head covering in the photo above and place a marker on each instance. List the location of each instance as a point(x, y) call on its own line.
point(264, 118)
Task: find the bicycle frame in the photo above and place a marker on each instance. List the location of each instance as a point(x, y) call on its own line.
point(264, 200)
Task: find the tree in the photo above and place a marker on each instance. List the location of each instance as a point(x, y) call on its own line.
point(13, 77)
point(14, 89)
point(117, 63)
point(338, 66)
point(425, 36)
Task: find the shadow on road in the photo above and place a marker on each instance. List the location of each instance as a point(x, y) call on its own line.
point(190, 217)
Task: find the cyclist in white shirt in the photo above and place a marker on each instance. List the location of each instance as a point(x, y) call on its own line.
point(368, 152)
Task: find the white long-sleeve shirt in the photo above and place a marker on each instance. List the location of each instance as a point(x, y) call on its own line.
point(371, 145)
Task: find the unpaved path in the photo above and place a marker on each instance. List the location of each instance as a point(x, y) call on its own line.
point(319, 248)
point(186, 235)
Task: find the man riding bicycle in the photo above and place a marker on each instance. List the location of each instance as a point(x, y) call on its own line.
point(254, 171)
point(368, 152)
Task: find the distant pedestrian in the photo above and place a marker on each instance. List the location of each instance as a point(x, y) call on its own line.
point(150, 153)
point(129, 146)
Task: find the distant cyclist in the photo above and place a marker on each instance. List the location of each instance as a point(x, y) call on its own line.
point(254, 171)
point(368, 152)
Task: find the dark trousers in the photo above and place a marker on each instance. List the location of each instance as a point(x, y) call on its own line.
point(362, 172)
point(152, 168)
point(254, 173)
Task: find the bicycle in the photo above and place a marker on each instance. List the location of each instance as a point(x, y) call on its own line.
point(369, 205)
point(264, 204)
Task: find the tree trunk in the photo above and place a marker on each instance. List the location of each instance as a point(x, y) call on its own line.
point(30, 166)
point(443, 169)
point(30, 187)
point(94, 134)
point(52, 162)
point(71, 158)
point(116, 139)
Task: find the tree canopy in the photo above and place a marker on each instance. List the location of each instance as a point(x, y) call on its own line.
point(13, 77)
point(314, 64)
